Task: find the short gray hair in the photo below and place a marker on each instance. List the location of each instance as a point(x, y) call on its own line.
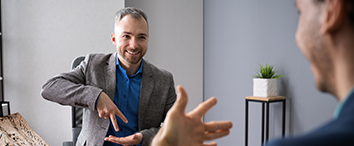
point(133, 12)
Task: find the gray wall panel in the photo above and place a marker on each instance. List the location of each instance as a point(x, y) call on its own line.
point(239, 34)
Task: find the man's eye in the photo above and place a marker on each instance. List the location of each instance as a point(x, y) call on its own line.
point(126, 36)
point(142, 37)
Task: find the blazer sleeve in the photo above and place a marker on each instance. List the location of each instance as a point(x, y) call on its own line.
point(148, 134)
point(71, 89)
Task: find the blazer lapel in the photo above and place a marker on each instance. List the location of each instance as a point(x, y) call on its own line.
point(146, 88)
point(110, 76)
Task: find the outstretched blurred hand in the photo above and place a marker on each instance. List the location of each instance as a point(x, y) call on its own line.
point(180, 129)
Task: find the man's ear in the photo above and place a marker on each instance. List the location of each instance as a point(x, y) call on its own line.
point(113, 38)
point(334, 16)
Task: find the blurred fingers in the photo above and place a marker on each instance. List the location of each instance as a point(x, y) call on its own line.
point(216, 134)
point(210, 144)
point(182, 99)
point(217, 125)
point(203, 107)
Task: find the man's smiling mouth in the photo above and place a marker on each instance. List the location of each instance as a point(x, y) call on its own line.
point(133, 53)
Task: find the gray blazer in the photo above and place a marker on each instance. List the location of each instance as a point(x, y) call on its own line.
point(81, 87)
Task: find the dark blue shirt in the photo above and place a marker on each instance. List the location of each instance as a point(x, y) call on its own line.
point(127, 100)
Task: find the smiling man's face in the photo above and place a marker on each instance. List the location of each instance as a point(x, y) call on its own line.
point(131, 39)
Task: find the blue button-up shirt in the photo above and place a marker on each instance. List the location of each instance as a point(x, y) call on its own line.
point(127, 100)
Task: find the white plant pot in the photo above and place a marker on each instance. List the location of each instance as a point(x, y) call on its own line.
point(264, 87)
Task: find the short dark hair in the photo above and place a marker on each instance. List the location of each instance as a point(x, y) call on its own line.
point(349, 4)
point(133, 12)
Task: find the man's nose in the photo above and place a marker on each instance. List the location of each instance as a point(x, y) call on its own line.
point(133, 43)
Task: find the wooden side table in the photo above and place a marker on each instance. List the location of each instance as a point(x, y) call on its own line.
point(264, 101)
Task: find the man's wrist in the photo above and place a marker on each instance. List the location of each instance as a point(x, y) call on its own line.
point(159, 140)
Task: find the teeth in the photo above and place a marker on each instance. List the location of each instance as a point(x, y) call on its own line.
point(132, 52)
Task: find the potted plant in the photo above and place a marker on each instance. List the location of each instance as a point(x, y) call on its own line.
point(265, 81)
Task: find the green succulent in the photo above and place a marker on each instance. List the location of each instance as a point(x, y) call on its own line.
point(267, 72)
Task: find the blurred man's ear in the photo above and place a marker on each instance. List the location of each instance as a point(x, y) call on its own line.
point(113, 38)
point(334, 16)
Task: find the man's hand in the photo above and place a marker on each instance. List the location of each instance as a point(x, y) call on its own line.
point(107, 109)
point(125, 141)
point(180, 129)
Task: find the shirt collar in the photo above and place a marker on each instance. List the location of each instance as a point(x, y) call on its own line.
point(341, 103)
point(140, 71)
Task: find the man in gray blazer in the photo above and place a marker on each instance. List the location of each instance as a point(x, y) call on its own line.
point(123, 95)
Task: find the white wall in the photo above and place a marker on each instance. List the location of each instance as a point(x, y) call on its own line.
point(40, 39)
point(176, 41)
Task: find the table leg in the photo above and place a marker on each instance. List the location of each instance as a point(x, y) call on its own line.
point(246, 123)
point(267, 127)
point(262, 123)
point(284, 112)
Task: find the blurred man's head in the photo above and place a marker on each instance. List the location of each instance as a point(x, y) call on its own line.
point(322, 23)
